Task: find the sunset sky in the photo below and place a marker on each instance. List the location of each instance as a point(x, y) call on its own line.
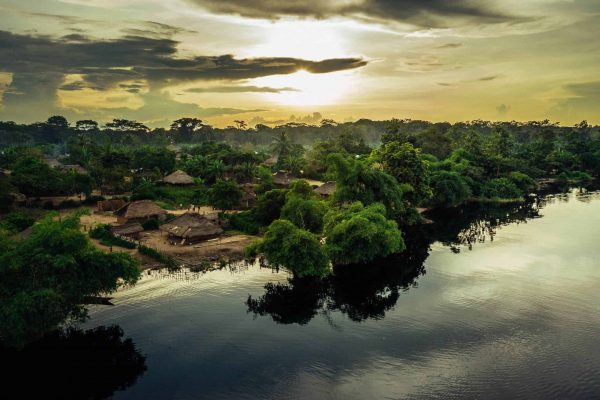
point(273, 61)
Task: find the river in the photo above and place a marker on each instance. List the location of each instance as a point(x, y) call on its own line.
point(494, 302)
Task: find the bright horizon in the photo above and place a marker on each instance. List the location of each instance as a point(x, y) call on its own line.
point(265, 61)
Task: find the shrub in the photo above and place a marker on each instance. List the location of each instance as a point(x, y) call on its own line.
point(105, 236)
point(245, 222)
point(525, 183)
point(500, 188)
point(450, 189)
point(158, 256)
point(17, 222)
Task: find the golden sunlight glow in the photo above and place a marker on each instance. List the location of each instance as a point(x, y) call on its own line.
point(311, 40)
point(312, 89)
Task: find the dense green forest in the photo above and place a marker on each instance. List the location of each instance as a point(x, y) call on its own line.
point(385, 172)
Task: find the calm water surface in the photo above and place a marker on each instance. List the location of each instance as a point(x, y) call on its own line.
point(492, 303)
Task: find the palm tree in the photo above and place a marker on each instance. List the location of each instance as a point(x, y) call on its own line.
point(281, 145)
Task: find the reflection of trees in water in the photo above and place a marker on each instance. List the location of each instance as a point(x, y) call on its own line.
point(73, 364)
point(368, 291)
point(358, 291)
point(478, 223)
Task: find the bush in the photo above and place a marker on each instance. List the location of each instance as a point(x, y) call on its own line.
point(523, 182)
point(245, 222)
point(269, 204)
point(450, 189)
point(500, 188)
point(304, 213)
point(358, 234)
point(16, 222)
point(150, 224)
point(298, 250)
point(105, 236)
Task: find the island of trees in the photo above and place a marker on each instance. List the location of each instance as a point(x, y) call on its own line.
point(317, 198)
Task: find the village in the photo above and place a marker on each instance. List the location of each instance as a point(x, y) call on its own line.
point(191, 236)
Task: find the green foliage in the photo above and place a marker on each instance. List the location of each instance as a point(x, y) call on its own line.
point(46, 278)
point(269, 205)
point(285, 245)
point(150, 158)
point(104, 235)
point(357, 181)
point(450, 189)
point(304, 213)
point(264, 177)
point(405, 163)
point(33, 177)
point(500, 188)
point(358, 234)
point(225, 195)
point(523, 182)
point(245, 222)
point(576, 178)
point(16, 221)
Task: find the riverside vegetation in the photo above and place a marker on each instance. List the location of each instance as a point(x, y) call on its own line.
point(384, 171)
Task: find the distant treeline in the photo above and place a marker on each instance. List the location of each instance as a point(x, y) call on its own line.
point(58, 130)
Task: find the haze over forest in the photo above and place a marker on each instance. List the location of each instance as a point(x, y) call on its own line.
point(272, 62)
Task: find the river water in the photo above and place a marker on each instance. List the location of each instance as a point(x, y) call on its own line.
point(489, 302)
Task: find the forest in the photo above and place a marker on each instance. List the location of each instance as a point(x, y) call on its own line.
point(317, 198)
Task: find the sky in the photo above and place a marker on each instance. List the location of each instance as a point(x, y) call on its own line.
point(277, 61)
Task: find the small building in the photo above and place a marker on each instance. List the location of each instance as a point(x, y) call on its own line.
point(4, 173)
point(110, 205)
point(178, 178)
point(326, 189)
point(282, 179)
point(191, 228)
point(248, 199)
point(271, 161)
point(131, 230)
point(140, 211)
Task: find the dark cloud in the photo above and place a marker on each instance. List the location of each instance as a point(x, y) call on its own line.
point(241, 89)
point(488, 78)
point(449, 46)
point(583, 101)
point(40, 63)
point(424, 13)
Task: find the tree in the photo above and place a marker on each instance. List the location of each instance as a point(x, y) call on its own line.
point(186, 127)
point(285, 245)
point(150, 158)
point(58, 121)
point(304, 213)
point(281, 145)
point(33, 177)
point(450, 189)
point(500, 188)
point(86, 125)
point(240, 124)
point(405, 163)
point(357, 181)
point(358, 234)
point(126, 125)
point(225, 195)
point(269, 205)
point(46, 278)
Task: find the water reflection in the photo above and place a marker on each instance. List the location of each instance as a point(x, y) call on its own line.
point(364, 292)
point(73, 364)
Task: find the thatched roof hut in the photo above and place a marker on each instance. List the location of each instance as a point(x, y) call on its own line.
point(192, 228)
point(140, 210)
point(178, 178)
point(269, 162)
point(131, 230)
point(326, 189)
point(5, 172)
point(282, 178)
point(110, 205)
